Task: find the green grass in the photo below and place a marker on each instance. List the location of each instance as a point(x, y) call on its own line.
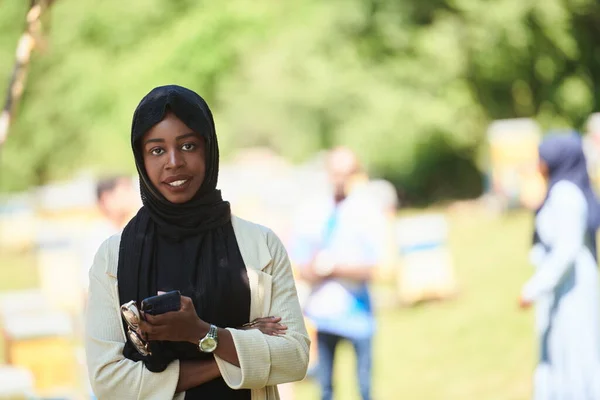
point(476, 346)
point(17, 271)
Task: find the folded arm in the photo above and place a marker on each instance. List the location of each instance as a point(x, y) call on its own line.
point(266, 360)
point(112, 375)
point(196, 373)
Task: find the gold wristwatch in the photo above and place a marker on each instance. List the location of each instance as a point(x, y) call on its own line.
point(209, 343)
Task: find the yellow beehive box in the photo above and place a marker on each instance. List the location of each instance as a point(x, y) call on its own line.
point(50, 360)
point(43, 344)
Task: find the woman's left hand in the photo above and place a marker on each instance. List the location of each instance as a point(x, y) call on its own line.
point(175, 326)
point(268, 325)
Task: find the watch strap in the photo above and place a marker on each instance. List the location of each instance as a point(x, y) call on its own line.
point(212, 332)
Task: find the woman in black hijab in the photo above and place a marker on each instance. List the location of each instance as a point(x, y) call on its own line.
point(227, 270)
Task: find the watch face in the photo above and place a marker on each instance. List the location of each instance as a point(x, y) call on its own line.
point(208, 345)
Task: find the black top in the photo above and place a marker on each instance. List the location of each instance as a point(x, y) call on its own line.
point(231, 311)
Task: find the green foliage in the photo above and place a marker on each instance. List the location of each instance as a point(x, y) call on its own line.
point(411, 85)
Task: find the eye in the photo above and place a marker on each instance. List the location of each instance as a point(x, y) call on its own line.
point(157, 151)
point(188, 146)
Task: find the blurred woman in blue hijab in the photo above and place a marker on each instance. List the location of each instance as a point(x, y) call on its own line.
point(565, 286)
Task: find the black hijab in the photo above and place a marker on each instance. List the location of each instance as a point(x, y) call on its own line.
point(190, 247)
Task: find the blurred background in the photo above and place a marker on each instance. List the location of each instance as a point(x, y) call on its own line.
point(445, 99)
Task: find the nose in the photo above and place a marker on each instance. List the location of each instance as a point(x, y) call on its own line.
point(174, 160)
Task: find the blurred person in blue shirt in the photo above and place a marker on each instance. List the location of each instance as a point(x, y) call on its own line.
point(336, 246)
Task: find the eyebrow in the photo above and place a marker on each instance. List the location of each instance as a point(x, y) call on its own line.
point(159, 140)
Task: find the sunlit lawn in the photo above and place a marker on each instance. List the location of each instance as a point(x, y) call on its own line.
point(477, 346)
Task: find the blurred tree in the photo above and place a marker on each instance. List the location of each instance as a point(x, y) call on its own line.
point(29, 39)
point(411, 85)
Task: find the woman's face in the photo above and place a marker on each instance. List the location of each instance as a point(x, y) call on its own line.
point(174, 158)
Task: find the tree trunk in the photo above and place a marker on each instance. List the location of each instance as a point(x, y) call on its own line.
point(27, 42)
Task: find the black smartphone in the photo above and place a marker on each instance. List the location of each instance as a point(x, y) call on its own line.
point(162, 303)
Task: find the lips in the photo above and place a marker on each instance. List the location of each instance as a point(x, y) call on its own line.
point(177, 183)
point(177, 180)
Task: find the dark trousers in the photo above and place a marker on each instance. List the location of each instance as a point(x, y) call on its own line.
point(363, 349)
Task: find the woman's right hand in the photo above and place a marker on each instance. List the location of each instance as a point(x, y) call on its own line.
point(267, 325)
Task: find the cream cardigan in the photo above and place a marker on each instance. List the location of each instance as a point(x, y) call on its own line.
point(265, 361)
